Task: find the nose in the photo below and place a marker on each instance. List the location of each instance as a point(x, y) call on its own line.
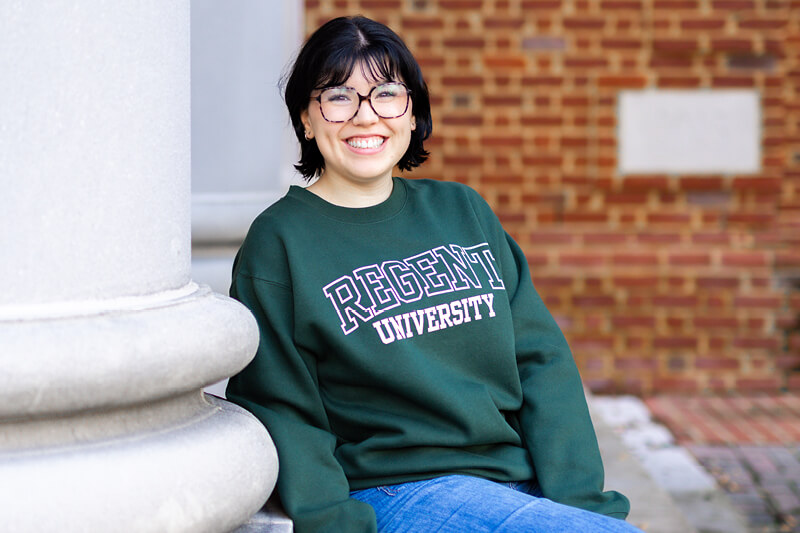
point(365, 114)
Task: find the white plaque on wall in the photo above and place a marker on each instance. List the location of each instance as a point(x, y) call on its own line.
point(689, 131)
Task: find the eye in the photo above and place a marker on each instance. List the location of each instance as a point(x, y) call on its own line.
point(338, 95)
point(389, 90)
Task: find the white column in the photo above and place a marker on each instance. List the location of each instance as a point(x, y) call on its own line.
point(105, 342)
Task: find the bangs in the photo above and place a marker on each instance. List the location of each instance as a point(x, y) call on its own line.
point(376, 66)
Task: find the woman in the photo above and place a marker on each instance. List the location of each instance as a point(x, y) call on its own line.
point(408, 372)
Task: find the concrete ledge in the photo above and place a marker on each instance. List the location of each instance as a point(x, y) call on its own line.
point(669, 491)
point(652, 508)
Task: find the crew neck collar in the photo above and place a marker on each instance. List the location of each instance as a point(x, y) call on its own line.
point(355, 215)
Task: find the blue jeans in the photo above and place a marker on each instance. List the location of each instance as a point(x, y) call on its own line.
point(465, 504)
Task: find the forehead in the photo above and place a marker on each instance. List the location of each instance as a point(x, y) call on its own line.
point(361, 71)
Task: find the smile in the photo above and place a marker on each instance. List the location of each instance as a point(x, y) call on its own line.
point(366, 142)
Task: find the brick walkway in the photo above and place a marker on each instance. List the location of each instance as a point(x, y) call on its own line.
point(751, 445)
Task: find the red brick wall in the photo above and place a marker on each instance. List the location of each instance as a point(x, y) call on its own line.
point(661, 283)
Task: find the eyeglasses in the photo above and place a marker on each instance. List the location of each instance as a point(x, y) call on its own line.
point(340, 104)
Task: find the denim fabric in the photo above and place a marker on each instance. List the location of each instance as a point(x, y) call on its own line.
point(465, 504)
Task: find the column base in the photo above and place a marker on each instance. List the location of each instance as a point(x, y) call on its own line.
point(209, 473)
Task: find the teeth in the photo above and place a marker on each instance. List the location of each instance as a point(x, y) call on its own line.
point(369, 142)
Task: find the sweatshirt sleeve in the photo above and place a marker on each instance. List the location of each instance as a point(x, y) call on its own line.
point(280, 388)
point(554, 417)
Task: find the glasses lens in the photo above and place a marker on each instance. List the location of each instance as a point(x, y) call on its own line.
point(339, 103)
point(389, 100)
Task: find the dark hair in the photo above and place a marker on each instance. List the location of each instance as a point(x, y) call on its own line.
point(328, 58)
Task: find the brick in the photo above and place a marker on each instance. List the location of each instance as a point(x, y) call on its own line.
point(416, 23)
point(675, 4)
point(464, 42)
point(675, 301)
point(583, 23)
point(675, 45)
point(549, 238)
point(502, 101)
point(581, 259)
point(552, 282)
point(573, 142)
point(757, 385)
point(692, 183)
point(467, 120)
point(627, 81)
point(634, 5)
point(670, 384)
point(591, 342)
point(762, 24)
point(669, 61)
point(659, 183)
point(751, 61)
point(760, 184)
point(538, 81)
point(711, 238)
point(732, 81)
point(498, 141)
point(542, 4)
point(541, 120)
point(604, 238)
point(788, 362)
point(620, 43)
point(751, 218)
point(658, 238)
point(505, 62)
point(717, 363)
point(460, 4)
point(733, 4)
point(668, 218)
point(745, 259)
point(463, 160)
point(462, 81)
point(765, 343)
point(634, 363)
point(502, 178)
point(511, 218)
point(543, 161)
point(511, 23)
point(635, 281)
point(638, 259)
point(716, 322)
point(768, 302)
point(675, 342)
point(585, 62)
point(689, 259)
point(669, 82)
point(575, 101)
point(380, 4)
point(732, 45)
point(544, 42)
point(593, 301)
point(585, 217)
point(702, 24)
point(787, 259)
point(633, 321)
point(536, 259)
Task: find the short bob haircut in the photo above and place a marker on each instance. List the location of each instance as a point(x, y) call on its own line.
point(328, 58)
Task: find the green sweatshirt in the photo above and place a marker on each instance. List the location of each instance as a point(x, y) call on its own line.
point(402, 342)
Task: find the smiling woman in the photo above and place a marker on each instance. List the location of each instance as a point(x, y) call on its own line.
point(457, 406)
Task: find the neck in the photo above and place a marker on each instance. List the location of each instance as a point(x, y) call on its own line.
point(346, 193)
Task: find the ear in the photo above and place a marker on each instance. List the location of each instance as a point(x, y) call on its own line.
point(413, 123)
point(306, 124)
